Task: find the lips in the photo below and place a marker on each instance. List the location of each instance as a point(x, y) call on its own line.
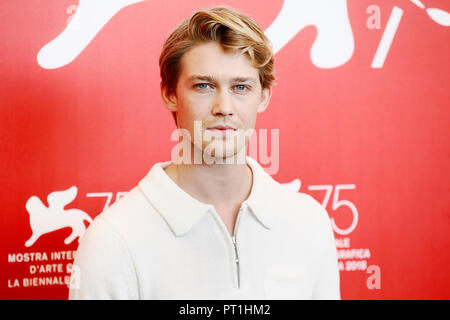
point(222, 128)
point(223, 131)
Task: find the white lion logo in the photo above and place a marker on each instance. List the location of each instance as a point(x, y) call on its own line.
point(333, 47)
point(48, 219)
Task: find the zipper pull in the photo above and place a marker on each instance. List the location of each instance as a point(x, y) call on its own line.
point(233, 239)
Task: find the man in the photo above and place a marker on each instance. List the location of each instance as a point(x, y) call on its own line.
point(211, 224)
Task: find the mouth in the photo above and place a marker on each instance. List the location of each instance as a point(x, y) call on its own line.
point(222, 130)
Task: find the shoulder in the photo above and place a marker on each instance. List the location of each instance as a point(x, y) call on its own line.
point(298, 206)
point(103, 267)
point(133, 206)
point(113, 232)
point(132, 201)
point(284, 194)
point(129, 219)
point(302, 218)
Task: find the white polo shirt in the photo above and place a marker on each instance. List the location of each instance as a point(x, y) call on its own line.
point(158, 242)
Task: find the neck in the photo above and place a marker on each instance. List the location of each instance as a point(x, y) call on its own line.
point(223, 185)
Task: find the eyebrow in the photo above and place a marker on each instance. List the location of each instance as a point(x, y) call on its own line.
point(214, 80)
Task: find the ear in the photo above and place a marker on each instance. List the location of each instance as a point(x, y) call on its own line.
point(169, 100)
point(266, 94)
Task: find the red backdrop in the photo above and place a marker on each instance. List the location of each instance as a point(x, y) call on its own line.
point(373, 141)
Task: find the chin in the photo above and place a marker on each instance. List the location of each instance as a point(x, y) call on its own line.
point(218, 155)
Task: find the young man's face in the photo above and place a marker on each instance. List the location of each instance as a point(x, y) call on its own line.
point(221, 92)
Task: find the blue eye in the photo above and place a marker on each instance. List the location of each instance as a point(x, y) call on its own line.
point(242, 88)
point(202, 86)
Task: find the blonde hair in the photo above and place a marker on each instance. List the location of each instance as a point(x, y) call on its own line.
point(232, 29)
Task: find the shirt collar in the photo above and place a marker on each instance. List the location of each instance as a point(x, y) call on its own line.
point(181, 211)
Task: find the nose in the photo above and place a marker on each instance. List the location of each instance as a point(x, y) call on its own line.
point(222, 104)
